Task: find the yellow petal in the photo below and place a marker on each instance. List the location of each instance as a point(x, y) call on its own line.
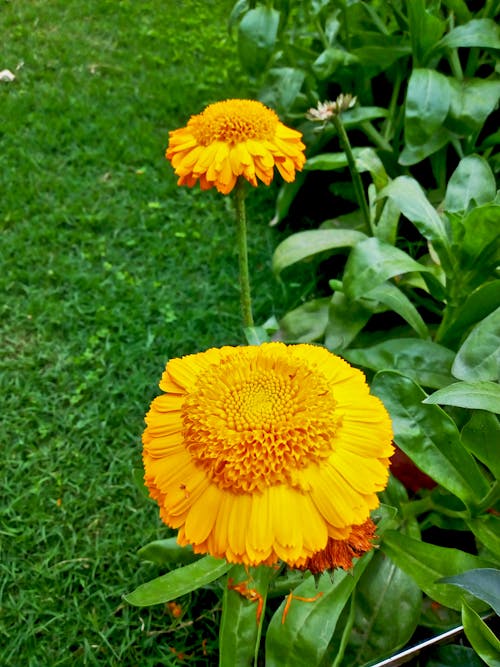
point(202, 515)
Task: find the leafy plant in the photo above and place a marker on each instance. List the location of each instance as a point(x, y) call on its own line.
point(409, 291)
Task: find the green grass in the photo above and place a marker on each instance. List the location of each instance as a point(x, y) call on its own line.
point(108, 269)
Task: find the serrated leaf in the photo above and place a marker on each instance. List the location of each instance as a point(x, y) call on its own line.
point(424, 361)
point(471, 395)
point(429, 437)
point(304, 245)
point(427, 563)
point(482, 583)
point(372, 262)
point(178, 582)
point(479, 356)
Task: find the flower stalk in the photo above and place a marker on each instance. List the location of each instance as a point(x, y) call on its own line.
point(356, 178)
point(244, 275)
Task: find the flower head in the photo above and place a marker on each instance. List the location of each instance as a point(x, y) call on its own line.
point(231, 139)
point(265, 453)
point(325, 110)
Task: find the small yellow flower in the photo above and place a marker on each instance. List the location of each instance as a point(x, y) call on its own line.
point(231, 139)
point(265, 453)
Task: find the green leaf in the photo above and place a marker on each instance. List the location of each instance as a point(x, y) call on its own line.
point(167, 552)
point(377, 630)
point(471, 102)
point(239, 634)
point(355, 117)
point(482, 639)
point(371, 262)
point(381, 51)
point(460, 9)
point(387, 225)
point(304, 636)
point(304, 245)
point(178, 582)
point(283, 85)
point(332, 59)
point(238, 10)
point(326, 162)
point(391, 296)
point(409, 197)
point(415, 153)
point(484, 33)
point(479, 356)
point(472, 181)
point(480, 303)
point(427, 104)
point(346, 318)
point(256, 335)
point(481, 436)
point(306, 323)
point(429, 437)
point(479, 246)
point(454, 656)
point(482, 583)
point(257, 34)
point(486, 530)
point(427, 563)
point(425, 29)
point(367, 159)
point(424, 361)
point(471, 395)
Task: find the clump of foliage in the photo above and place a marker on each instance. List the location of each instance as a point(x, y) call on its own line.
point(406, 287)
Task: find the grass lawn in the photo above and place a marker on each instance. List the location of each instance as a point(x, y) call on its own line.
point(108, 269)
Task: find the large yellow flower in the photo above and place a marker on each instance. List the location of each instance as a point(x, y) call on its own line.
point(265, 453)
point(231, 139)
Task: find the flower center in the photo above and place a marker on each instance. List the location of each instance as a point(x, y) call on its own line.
point(256, 423)
point(234, 121)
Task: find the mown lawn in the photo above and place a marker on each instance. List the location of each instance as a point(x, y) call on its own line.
point(108, 269)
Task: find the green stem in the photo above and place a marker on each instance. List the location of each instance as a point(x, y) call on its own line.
point(356, 178)
point(241, 219)
point(376, 137)
point(393, 107)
